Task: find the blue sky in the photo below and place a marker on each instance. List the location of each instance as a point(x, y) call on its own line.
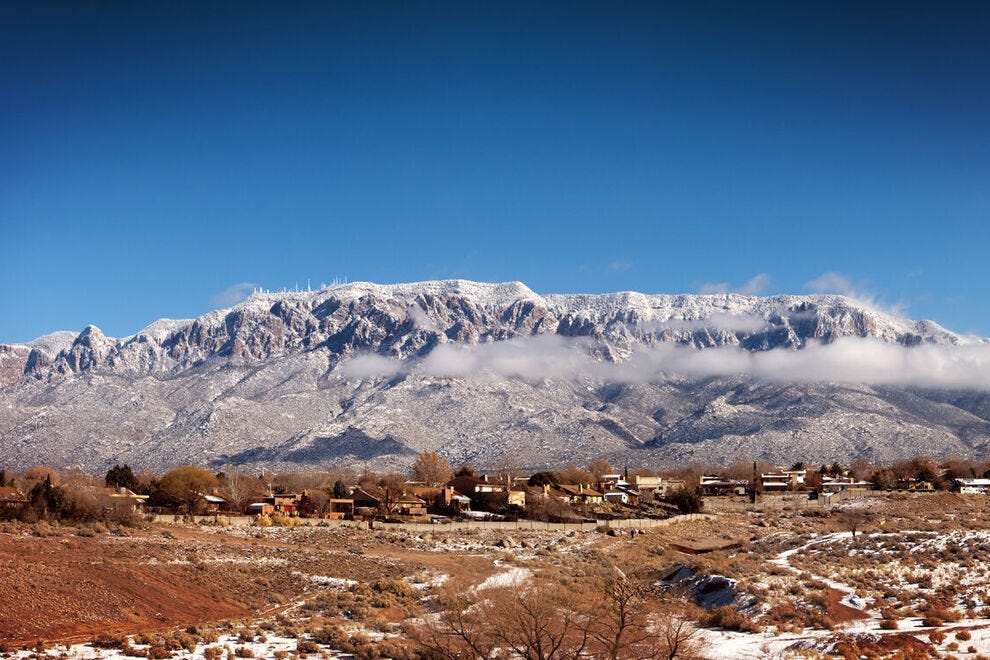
point(156, 155)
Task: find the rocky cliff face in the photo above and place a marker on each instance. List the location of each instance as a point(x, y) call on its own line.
point(271, 381)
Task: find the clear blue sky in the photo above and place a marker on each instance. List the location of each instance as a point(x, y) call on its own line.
point(153, 155)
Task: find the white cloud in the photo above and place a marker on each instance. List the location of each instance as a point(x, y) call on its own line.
point(369, 365)
point(717, 321)
point(620, 266)
point(755, 285)
point(421, 319)
point(710, 288)
point(841, 284)
point(752, 287)
point(848, 360)
point(233, 294)
point(834, 282)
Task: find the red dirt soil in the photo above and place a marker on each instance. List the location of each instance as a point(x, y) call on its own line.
point(69, 588)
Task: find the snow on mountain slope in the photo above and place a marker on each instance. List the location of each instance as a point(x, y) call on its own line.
point(490, 373)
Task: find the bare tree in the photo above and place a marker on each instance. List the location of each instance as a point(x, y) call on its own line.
point(432, 469)
point(391, 487)
point(572, 474)
point(239, 487)
point(599, 467)
point(854, 519)
point(460, 629)
point(540, 622)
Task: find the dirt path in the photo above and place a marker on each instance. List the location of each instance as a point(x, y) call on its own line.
point(843, 602)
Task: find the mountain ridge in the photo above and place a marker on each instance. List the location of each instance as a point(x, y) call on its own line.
point(486, 373)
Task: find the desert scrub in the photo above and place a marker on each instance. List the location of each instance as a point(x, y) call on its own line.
point(109, 641)
point(728, 617)
point(306, 646)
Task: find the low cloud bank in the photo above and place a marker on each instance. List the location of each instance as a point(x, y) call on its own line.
point(848, 360)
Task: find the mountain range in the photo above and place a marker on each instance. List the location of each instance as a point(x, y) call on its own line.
point(495, 375)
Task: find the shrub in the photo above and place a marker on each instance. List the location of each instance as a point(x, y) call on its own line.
point(306, 646)
point(964, 636)
point(931, 622)
point(329, 636)
point(728, 618)
point(109, 641)
point(888, 624)
point(687, 501)
point(158, 652)
point(243, 652)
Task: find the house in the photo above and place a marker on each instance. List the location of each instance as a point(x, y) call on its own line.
point(715, 485)
point(622, 496)
point(915, 485)
point(471, 485)
point(365, 500)
point(516, 497)
point(284, 503)
point(484, 493)
point(971, 486)
point(581, 494)
point(340, 508)
point(214, 503)
point(410, 505)
point(455, 500)
point(783, 480)
point(537, 496)
point(125, 496)
point(836, 484)
point(647, 486)
point(12, 499)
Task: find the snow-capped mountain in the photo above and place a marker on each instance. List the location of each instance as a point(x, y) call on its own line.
point(496, 374)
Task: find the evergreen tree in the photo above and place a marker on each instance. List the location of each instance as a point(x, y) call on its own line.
point(48, 498)
point(121, 477)
point(544, 479)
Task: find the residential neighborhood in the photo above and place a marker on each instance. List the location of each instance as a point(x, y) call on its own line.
point(434, 491)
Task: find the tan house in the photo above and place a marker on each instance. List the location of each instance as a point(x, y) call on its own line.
point(410, 505)
point(581, 494)
point(340, 508)
point(11, 498)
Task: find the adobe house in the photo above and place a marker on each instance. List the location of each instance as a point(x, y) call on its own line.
point(410, 505)
point(365, 500)
point(456, 501)
point(340, 508)
point(783, 480)
point(581, 494)
point(284, 503)
point(12, 499)
point(215, 504)
point(126, 495)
